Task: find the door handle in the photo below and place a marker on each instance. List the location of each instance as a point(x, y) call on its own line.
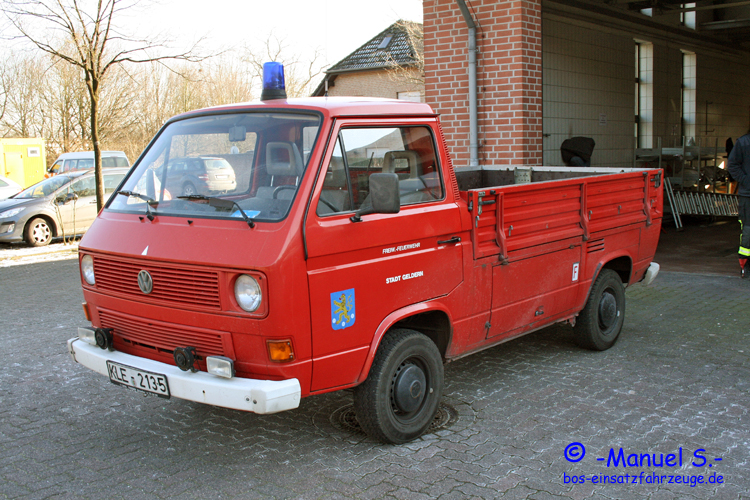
point(455, 239)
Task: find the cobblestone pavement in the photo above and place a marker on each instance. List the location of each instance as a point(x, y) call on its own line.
point(678, 378)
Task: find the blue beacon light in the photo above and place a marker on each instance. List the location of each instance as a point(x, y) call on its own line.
point(273, 81)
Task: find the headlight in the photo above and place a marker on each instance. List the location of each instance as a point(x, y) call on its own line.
point(12, 212)
point(247, 292)
point(87, 269)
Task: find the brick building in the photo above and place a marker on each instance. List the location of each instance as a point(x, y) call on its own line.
point(549, 70)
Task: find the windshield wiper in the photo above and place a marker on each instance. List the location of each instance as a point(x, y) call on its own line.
point(219, 203)
point(149, 201)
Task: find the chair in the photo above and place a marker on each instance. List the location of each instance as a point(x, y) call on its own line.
point(335, 194)
point(577, 151)
point(412, 189)
point(283, 159)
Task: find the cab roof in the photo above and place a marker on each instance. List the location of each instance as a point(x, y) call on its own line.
point(329, 106)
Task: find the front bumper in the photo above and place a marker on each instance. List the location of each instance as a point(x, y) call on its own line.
point(257, 396)
point(15, 234)
point(650, 274)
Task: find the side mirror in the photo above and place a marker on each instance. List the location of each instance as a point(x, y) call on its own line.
point(237, 134)
point(384, 197)
point(64, 200)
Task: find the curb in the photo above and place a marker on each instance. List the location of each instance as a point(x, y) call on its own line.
point(25, 255)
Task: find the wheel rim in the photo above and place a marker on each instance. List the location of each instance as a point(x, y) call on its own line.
point(40, 232)
point(608, 311)
point(409, 388)
point(188, 190)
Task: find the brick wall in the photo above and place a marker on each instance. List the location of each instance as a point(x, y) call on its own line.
point(509, 78)
point(379, 83)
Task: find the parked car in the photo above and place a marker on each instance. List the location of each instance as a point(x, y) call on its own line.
point(199, 175)
point(8, 188)
point(84, 160)
point(65, 202)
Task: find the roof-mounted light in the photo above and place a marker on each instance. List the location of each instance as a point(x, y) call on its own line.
point(273, 81)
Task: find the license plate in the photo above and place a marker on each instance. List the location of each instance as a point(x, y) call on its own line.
point(222, 177)
point(141, 380)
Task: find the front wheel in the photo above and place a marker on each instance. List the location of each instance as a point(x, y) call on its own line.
point(400, 397)
point(38, 233)
point(600, 322)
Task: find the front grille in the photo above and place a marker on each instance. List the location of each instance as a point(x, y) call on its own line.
point(190, 287)
point(164, 337)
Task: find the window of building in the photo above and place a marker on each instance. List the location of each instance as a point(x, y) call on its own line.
point(411, 96)
point(385, 42)
point(644, 94)
point(689, 78)
point(687, 19)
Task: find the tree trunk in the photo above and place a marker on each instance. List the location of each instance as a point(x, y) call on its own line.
point(93, 85)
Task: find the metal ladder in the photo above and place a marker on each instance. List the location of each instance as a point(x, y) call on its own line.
point(692, 203)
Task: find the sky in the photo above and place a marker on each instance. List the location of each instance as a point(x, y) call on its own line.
point(333, 27)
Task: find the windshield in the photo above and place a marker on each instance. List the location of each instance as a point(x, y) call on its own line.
point(253, 160)
point(45, 187)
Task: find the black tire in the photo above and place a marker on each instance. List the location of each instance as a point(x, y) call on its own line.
point(600, 322)
point(410, 361)
point(37, 232)
point(188, 189)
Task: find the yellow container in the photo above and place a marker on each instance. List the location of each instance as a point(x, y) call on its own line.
point(23, 160)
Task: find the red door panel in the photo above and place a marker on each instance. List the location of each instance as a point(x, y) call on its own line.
point(527, 292)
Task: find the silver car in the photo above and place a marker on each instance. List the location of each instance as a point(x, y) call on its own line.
point(8, 188)
point(200, 175)
point(63, 204)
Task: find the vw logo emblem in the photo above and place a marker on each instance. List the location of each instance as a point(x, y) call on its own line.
point(145, 282)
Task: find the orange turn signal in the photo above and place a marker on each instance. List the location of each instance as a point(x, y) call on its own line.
point(280, 351)
point(86, 311)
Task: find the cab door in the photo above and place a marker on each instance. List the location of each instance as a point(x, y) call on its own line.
point(360, 272)
point(78, 213)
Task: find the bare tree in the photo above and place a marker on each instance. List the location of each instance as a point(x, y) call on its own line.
point(409, 69)
point(93, 44)
point(21, 83)
point(299, 74)
point(5, 84)
point(228, 82)
point(64, 103)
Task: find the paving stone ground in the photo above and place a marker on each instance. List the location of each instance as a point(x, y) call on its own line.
point(679, 377)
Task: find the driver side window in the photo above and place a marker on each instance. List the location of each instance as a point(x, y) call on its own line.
point(358, 153)
point(84, 187)
point(336, 195)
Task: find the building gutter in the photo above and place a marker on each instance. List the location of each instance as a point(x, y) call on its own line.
point(473, 120)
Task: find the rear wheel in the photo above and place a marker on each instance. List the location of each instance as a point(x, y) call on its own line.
point(600, 322)
point(188, 189)
point(400, 397)
point(38, 233)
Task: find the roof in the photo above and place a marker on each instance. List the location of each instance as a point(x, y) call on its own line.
point(78, 155)
point(397, 45)
point(329, 106)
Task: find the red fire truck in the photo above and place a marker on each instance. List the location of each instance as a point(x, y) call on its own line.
point(348, 254)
